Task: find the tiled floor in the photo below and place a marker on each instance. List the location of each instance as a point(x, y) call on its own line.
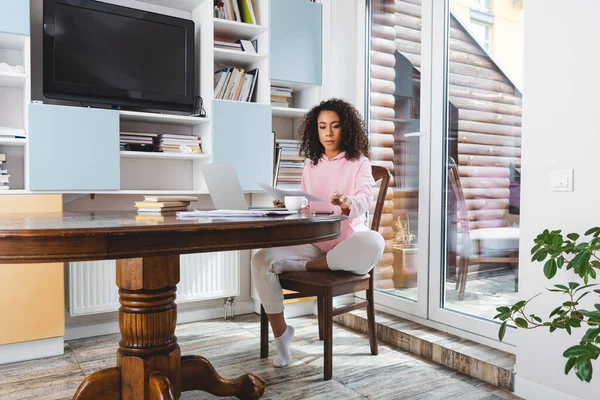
point(233, 348)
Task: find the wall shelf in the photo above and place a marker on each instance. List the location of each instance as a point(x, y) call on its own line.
point(236, 57)
point(11, 79)
point(225, 29)
point(283, 112)
point(12, 142)
point(168, 119)
point(164, 156)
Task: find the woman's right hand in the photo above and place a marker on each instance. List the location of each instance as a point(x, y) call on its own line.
point(279, 204)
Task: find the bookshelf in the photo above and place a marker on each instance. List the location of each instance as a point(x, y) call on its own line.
point(236, 30)
point(14, 98)
point(166, 119)
point(237, 58)
point(15, 80)
point(141, 172)
point(163, 156)
point(283, 112)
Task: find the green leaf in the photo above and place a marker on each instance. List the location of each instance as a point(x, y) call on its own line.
point(536, 318)
point(592, 230)
point(584, 287)
point(555, 311)
point(535, 248)
point(581, 297)
point(573, 285)
point(521, 322)
point(567, 328)
point(518, 305)
point(592, 272)
point(574, 322)
point(560, 261)
point(502, 330)
point(573, 236)
point(575, 351)
point(584, 371)
point(550, 268)
point(569, 365)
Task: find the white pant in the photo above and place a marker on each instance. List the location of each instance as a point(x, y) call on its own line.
point(356, 254)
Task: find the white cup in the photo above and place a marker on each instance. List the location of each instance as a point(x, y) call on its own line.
point(295, 203)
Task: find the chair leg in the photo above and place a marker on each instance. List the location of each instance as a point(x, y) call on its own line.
point(371, 320)
point(328, 345)
point(320, 316)
point(264, 333)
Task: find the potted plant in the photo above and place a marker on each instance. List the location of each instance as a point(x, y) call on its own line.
point(559, 252)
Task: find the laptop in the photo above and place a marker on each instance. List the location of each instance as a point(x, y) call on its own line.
point(225, 189)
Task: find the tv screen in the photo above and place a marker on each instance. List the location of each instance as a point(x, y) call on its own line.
point(103, 53)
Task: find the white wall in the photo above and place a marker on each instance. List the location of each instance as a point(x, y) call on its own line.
point(343, 51)
point(560, 131)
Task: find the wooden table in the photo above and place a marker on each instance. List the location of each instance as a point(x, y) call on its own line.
point(149, 361)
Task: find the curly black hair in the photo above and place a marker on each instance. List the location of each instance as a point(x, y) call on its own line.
point(355, 141)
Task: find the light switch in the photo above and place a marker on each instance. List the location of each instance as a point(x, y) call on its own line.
point(562, 180)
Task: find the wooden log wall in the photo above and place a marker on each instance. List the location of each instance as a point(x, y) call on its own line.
point(489, 112)
point(381, 123)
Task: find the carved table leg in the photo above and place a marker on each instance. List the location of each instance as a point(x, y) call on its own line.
point(149, 362)
point(199, 374)
point(160, 387)
point(103, 384)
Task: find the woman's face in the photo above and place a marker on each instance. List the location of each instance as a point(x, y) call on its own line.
point(330, 132)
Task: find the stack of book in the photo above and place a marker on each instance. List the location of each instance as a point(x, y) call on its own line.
point(137, 141)
point(177, 143)
point(236, 10)
point(227, 44)
point(289, 174)
point(235, 84)
point(3, 173)
point(281, 96)
point(159, 206)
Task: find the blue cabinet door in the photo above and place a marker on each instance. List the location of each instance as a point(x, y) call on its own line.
point(14, 16)
point(295, 39)
point(242, 135)
point(73, 148)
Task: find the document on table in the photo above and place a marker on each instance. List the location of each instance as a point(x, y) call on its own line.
point(280, 194)
point(233, 213)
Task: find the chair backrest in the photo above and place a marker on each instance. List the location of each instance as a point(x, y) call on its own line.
point(461, 207)
point(380, 173)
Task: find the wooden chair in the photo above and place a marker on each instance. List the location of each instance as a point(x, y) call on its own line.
point(327, 285)
point(471, 251)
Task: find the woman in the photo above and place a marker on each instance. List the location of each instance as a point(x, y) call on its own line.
point(336, 146)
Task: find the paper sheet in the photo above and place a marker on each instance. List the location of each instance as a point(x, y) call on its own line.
point(232, 213)
point(280, 194)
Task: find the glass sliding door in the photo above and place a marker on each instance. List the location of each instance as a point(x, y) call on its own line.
point(475, 207)
point(444, 114)
point(398, 124)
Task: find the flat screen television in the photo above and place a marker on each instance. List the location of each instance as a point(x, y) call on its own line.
point(102, 53)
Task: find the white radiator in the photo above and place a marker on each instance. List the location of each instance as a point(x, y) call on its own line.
point(205, 276)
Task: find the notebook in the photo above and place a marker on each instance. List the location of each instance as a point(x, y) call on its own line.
point(225, 189)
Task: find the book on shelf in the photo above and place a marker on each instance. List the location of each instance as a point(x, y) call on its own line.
point(178, 143)
point(236, 10)
point(281, 96)
point(236, 84)
point(289, 164)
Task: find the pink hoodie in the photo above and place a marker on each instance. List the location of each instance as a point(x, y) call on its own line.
point(350, 177)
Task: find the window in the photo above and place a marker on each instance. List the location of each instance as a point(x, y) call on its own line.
point(482, 5)
point(482, 33)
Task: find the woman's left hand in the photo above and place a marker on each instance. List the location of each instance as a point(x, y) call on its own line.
point(343, 201)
